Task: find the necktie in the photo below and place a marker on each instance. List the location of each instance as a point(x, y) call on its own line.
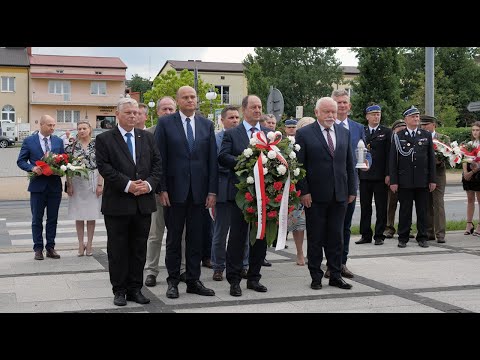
point(190, 138)
point(330, 141)
point(344, 124)
point(412, 134)
point(253, 132)
point(129, 143)
point(373, 131)
point(47, 148)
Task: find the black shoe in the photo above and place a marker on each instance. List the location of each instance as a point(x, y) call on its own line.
point(441, 241)
point(411, 236)
point(388, 235)
point(363, 241)
point(402, 244)
point(266, 263)
point(255, 285)
point(244, 273)
point(431, 238)
point(172, 291)
point(340, 283)
point(138, 297)
point(235, 290)
point(316, 285)
point(150, 281)
point(423, 244)
point(197, 287)
point(379, 242)
point(119, 299)
point(183, 277)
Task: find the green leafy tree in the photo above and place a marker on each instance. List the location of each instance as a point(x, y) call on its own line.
point(379, 82)
point(457, 81)
point(139, 84)
point(168, 84)
point(302, 74)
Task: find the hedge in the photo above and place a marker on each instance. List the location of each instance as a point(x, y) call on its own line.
point(456, 134)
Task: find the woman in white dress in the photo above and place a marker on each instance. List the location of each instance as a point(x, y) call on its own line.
point(84, 194)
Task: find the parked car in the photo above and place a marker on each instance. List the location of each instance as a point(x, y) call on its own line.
point(6, 141)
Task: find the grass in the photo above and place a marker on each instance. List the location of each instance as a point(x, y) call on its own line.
point(451, 225)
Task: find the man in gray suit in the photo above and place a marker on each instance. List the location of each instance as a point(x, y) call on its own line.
point(325, 152)
point(165, 106)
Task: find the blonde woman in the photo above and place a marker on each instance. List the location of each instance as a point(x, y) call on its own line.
point(84, 194)
point(471, 184)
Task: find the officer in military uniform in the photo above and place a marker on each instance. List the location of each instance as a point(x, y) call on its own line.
point(436, 220)
point(373, 183)
point(412, 174)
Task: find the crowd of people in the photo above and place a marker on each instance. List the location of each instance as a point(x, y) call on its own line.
point(179, 176)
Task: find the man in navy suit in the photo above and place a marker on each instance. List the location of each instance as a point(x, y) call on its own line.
point(329, 185)
point(45, 191)
point(189, 158)
point(230, 118)
point(129, 162)
point(234, 142)
point(356, 133)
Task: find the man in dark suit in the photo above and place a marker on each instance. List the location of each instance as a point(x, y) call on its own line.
point(189, 157)
point(230, 118)
point(356, 134)
point(234, 142)
point(129, 162)
point(373, 183)
point(325, 152)
point(412, 174)
point(45, 191)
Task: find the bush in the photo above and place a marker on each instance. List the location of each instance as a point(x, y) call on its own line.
point(456, 134)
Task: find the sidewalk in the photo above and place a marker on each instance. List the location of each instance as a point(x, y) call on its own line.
point(441, 278)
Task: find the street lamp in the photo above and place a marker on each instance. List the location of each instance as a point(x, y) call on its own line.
point(151, 105)
point(211, 95)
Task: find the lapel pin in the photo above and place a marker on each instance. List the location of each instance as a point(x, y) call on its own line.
point(408, 144)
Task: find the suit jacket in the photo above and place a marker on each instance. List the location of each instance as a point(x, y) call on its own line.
point(182, 170)
point(379, 146)
point(327, 177)
point(418, 169)
point(357, 133)
point(223, 172)
point(234, 142)
point(30, 152)
point(117, 167)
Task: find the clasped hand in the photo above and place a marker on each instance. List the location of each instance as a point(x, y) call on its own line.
point(139, 187)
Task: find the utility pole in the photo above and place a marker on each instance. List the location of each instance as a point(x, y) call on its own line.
point(429, 81)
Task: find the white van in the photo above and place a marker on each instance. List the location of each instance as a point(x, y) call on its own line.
point(8, 129)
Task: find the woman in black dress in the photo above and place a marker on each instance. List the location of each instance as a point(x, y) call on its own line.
point(471, 184)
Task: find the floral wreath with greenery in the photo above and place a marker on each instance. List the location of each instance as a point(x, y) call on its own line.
point(268, 171)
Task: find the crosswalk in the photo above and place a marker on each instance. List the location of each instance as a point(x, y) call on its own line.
point(449, 196)
point(20, 232)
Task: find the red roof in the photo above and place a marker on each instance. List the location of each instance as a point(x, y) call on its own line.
point(78, 61)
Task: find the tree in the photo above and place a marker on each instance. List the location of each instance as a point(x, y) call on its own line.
point(302, 74)
point(379, 82)
point(457, 82)
point(168, 84)
point(139, 84)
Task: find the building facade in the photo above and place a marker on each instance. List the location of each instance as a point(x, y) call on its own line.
point(73, 88)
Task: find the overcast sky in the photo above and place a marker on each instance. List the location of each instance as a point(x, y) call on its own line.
point(147, 61)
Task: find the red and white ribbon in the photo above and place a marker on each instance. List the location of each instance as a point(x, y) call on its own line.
point(264, 144)
point(211, 211)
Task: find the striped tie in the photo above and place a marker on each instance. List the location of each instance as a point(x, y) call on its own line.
point(330, 142)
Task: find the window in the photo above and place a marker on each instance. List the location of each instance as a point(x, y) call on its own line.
point(68, 116)
point(8, 113)
point(224, 92)
point(58, 87)
point(98, 88)
point(8, 84)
